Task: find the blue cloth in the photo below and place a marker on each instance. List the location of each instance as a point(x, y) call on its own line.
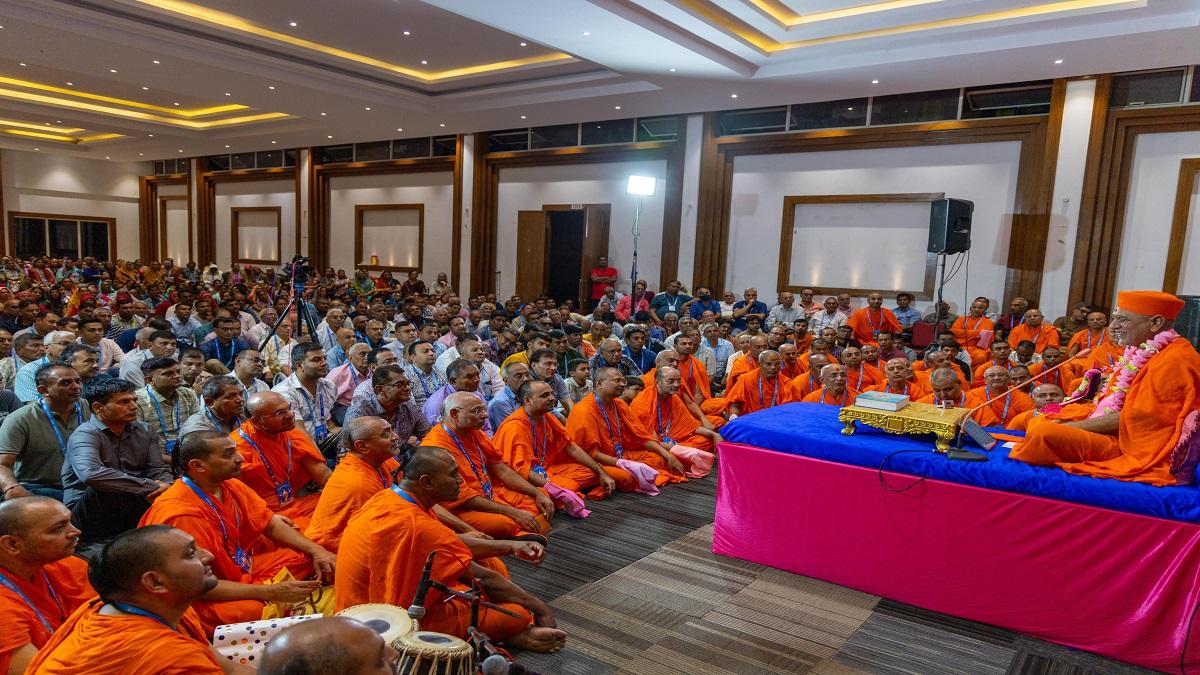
point(699, 307)
point(25, 384)
point(907, 316)
point(812, 430)
point(336, 357)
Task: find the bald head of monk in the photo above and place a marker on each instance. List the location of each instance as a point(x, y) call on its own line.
point(769, 362)
point(833, 378)
point(464, 411)
point(897, 371)
point(815, 363)
point(156, 568)
point(870, 353)
point(1096, 321)
point(935, 359)
point(208, 458)
point(875, 300)
point(34, 531)
point(667, 380)
point(997, 379)
point(758, 345)
point(608, 383)
point(945, 384)
point(270, 412)
point(372, 439)
point(537, 398)
point(1020, 375)
point(431, 476)
point(667, 358)
point(787, 352)
point(1045, 394)
point(334, 644)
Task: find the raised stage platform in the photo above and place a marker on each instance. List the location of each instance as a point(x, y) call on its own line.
point(1069, 559)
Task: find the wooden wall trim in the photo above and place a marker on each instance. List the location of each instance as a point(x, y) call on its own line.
point(206, 204)
point(483, 220)
point(149, 243)
point(111, 222)
point(360, 209)
point(3, 215)
point(1188, 170)
point(162, 228)
point(456, 218)
point(673, 207)
point(1105, 195)
point(235, 213)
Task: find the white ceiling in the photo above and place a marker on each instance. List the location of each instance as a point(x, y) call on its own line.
point(581, 59)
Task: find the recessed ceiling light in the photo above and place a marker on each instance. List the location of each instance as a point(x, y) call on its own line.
point(274, 142)
point(733, 96)
point(228, 94)
point(442, 124)
point(407, 32)
point(424, 62)
point(323, 114)
point(58, 121)
point(874, 81)
point(367, 108)
point(150, 135)
point(616, 107)
point(522, 117)
point(145, 88)
point(22, 64)
point(37, 148)
point(70, 84)
point(1057, 61)
point(181, 150)
point(156, 62)
point(672, 70)
point(330, 137)
point(271, 87)
point(227, 146)
point(175, 103)
point(399, 129)
point(107, 157)
point(524, 44)
point(112, 70)
point(293, 24)
point(141, 154)
point(585, 33)
point(850, 108)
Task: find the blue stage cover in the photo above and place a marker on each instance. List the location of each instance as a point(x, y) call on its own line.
point(813, 430)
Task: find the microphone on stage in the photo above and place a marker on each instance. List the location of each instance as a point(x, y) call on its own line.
point(416, 611)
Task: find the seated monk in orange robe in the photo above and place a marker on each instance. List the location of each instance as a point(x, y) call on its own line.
point(749, 362)
point(899, 379)
point(229, 520)
point(1043, 395)
point(536, 445)
point(1034, 329)
point(1148, 435)
point(602, 423)
point(998, 381)
point(790, 366)
point(810, 380)
point(494, 499)
point(41, 581)
point(858, 376)
point(817, 347)
point(279, 459)
point(947, 388)
point(762, 388)
point(934, 359)
point(870, 321)
point(671, 359)
point(660, 409)
point(1064, 376)
point(834, 390)
point(148, 579)
point(387, 542)
point(969, 327)
point(1097, 338)
point(999, 354)
point(696, 386)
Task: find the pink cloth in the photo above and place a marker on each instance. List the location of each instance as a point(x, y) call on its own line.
point(644, 473)
point(567, 500)
point(1118, 584)
point(697, 462)
point(343, 377)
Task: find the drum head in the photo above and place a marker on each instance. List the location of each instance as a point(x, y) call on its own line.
point(430, 642)
point(391, 622)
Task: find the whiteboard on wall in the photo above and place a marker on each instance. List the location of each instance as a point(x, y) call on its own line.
point(391, 233)
point(256, 234)
point(862, 242)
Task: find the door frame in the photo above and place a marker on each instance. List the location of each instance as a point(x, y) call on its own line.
point(596, 222)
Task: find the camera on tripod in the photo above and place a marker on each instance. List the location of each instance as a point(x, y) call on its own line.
point(299, 269)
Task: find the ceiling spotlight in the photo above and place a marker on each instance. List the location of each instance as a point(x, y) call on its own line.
point(293, 24)
point(442, 124)
point(150, 135)
point(37, 148)
point(181, 150)
point(522, 117)
point(408, 32)
point(156, 62)
point(850, 108)
point(399, 129)
point(141, 154)
point(323, 114)
point(367, 108)
point(107, 157)
point(586, 34)
point(874, 81)
point(145, 88)
point(112, 70)
point(22, 64)
point(672, 70)
point(329, 137)
point(424, 62)
point(524, 44)
point(228, 94)
point(271, 87)
point(70, 84)
point(733, 96)
point(58, 121)
point(274, 142)
point(227, 146)
point(1057, 61)
point(46, 123)
point(175, 103)
point(616, 107)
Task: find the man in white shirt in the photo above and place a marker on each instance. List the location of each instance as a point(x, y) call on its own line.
point(91, 333)
point(335, 319)
point(255, 335)
point(829, 318)
point(183, 324)
point(470, 348)
point(786, 312)
point(154, 344)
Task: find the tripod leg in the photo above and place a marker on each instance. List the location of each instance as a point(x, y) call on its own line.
point(277, 324)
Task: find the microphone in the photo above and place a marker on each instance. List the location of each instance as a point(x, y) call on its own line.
point(416, 611)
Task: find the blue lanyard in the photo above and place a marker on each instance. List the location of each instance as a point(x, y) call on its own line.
point(1007, 401)
point(774, 394)
point(312, 413)
point(58, 433)
point(138, 611)
point(860, 376)
point(267, 465)
point(217, 346)
point(421, 381)
point(354, 375)
point(162, 423)
point(664, 433)
point(237, 522)
point(406, 497)
point(539, 455)
point(826, 391)
point(12, 586)
point(617, 437)
point(237, 420)
point(888, 389)
point(481, 477)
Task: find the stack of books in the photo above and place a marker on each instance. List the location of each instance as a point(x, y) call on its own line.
point(879, 400)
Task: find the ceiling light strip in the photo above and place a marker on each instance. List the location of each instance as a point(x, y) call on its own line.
point(134, 114)
point(785, 17)
point(40, 127)
point(74, 140)
point(181, 112)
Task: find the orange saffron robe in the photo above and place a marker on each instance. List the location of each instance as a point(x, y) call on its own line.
point(827, 398)
point(1104, 353)
point(867, 323)
point(381, 557)
point(755, 392)
point(1045, 335)
point(967, 330)
point(803, 343)
point(274, 448)
point(1007, 408)
point(697, 387)
point(863, 377)
point(804, 385)
point(914, 389)
point(983, 366)
point(522, 451)
point(97, 644)
point(805, 360)
point(474, 470)
point(970, 399)
point(1160, 418)
point(245, 516)
point(740, 367)
point(350, 485)
point(594, 432)
point(67, 581)
point(1021, 422)
point(670, 418)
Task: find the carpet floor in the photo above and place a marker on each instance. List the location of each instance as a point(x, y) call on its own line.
point(639, 591)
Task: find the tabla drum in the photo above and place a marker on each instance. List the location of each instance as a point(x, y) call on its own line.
point(391, 622)
point(429, 653)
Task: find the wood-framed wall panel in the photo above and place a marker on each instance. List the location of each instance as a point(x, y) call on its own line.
point(235, 213)
point(1105, 195)
point(162, 228)
point(1031, 207)
point(360, 209)
point(206, 221)
point(149, 243)
point(1189, 169)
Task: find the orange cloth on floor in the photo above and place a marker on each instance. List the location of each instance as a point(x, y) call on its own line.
point(380, 561)
point(867, 323)
point(474, 470)
point(593, 432)
point(350, 485)
point(1045, 335)
point(1104, 353)
point(912, 389)
point(518, 448)
point(862, 378)
point(966, 331)
point(98, 644)
point(669, 418)
point(822, 396)
point(65, 580)
point(748, 394)
point(1161, 408)
point(274, 447)
point(970, 399)
point(1007, 408)
point(246, 517)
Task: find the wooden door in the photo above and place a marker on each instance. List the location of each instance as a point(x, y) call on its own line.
point(531, 254)
point(595, 244)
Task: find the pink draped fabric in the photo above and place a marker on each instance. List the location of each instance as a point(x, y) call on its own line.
point(697, 462)
point(1117, 584)
point(567, 501)
point(644, 473)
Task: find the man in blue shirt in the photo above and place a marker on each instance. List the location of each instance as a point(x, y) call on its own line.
point(226, 344)
point(750, 306)
point(635, 342)
point(703, 302)
point(905, 313)
point(670, 300)
point(506, 402)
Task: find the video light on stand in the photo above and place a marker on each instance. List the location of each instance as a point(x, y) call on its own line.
point(640, 187)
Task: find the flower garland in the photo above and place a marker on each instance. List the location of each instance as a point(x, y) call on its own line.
point(1127, 367)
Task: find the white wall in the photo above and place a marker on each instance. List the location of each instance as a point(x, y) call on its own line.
point(691, 195)
point(281, 193)
point(42, 182)
point(528, 189)
point(984, 173)
point(434, 190)
point(1149, 207)
point(1068, 190)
